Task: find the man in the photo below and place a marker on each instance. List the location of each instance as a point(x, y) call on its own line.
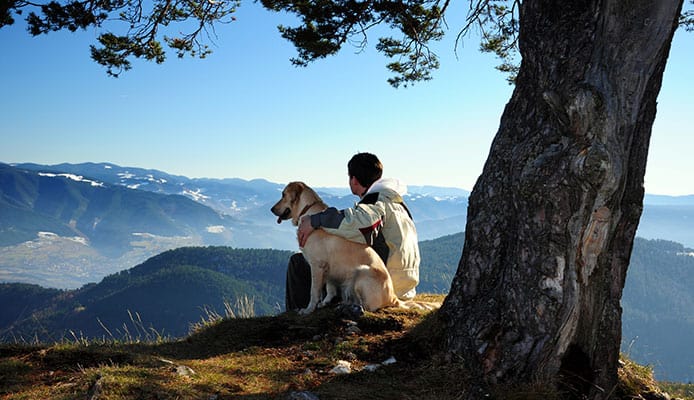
point(380, 219)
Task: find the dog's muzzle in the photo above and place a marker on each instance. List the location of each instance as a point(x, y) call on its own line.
point(284, 216)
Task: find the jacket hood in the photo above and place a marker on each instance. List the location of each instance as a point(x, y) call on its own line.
point(388, 184)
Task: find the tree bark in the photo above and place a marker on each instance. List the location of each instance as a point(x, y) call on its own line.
point(552, 218)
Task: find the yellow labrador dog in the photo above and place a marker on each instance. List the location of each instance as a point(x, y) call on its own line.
point(338, 263)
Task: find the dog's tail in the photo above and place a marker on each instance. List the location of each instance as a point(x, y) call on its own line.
point(418, 305)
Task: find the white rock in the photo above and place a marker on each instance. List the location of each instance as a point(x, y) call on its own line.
point(372, 367)
point(389, 361)
point(342, 367)
point(182, 370)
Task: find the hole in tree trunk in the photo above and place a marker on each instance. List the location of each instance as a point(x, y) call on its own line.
point(576, 375)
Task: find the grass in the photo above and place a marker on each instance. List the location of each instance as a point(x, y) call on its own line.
point(258, 358)
point(637, 380)
point(680, 390)
point(243, 308)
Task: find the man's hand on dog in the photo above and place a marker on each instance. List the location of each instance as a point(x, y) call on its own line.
point(305, 229)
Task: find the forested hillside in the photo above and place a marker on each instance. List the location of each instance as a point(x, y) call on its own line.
point(163, 296)
point(658, 303)
point(439, 262)
point(20, 300)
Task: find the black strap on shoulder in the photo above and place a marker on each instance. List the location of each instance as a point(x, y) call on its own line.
point(376, 239)
point(371, 198)
point(406, 209)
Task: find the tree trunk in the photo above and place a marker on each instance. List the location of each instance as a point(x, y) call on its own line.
point(552, 218)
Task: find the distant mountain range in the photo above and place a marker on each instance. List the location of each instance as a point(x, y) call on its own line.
point(238, 197)
point(69, 224)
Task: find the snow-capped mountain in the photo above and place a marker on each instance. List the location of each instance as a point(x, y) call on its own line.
point(229, 196)
point(438, 211)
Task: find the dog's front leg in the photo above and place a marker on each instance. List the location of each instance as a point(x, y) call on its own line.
point(317, 282)
point(331, 291)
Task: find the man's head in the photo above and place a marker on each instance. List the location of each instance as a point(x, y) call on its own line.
point(366, 168)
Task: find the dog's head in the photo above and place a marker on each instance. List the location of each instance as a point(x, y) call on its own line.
point(291, 203)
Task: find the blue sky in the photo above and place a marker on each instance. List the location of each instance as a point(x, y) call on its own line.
point(246, 112)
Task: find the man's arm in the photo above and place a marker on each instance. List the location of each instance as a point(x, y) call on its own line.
point(308, 223)
point(350, 223)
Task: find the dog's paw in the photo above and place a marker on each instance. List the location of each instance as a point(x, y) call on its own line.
point(306, 311)
point(322, 304)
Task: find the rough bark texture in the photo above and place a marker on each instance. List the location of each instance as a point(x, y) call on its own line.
point(552, 218)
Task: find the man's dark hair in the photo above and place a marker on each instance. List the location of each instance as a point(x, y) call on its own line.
point(366, 167)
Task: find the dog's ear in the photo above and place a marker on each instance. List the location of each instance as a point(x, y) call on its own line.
point(295, 193)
